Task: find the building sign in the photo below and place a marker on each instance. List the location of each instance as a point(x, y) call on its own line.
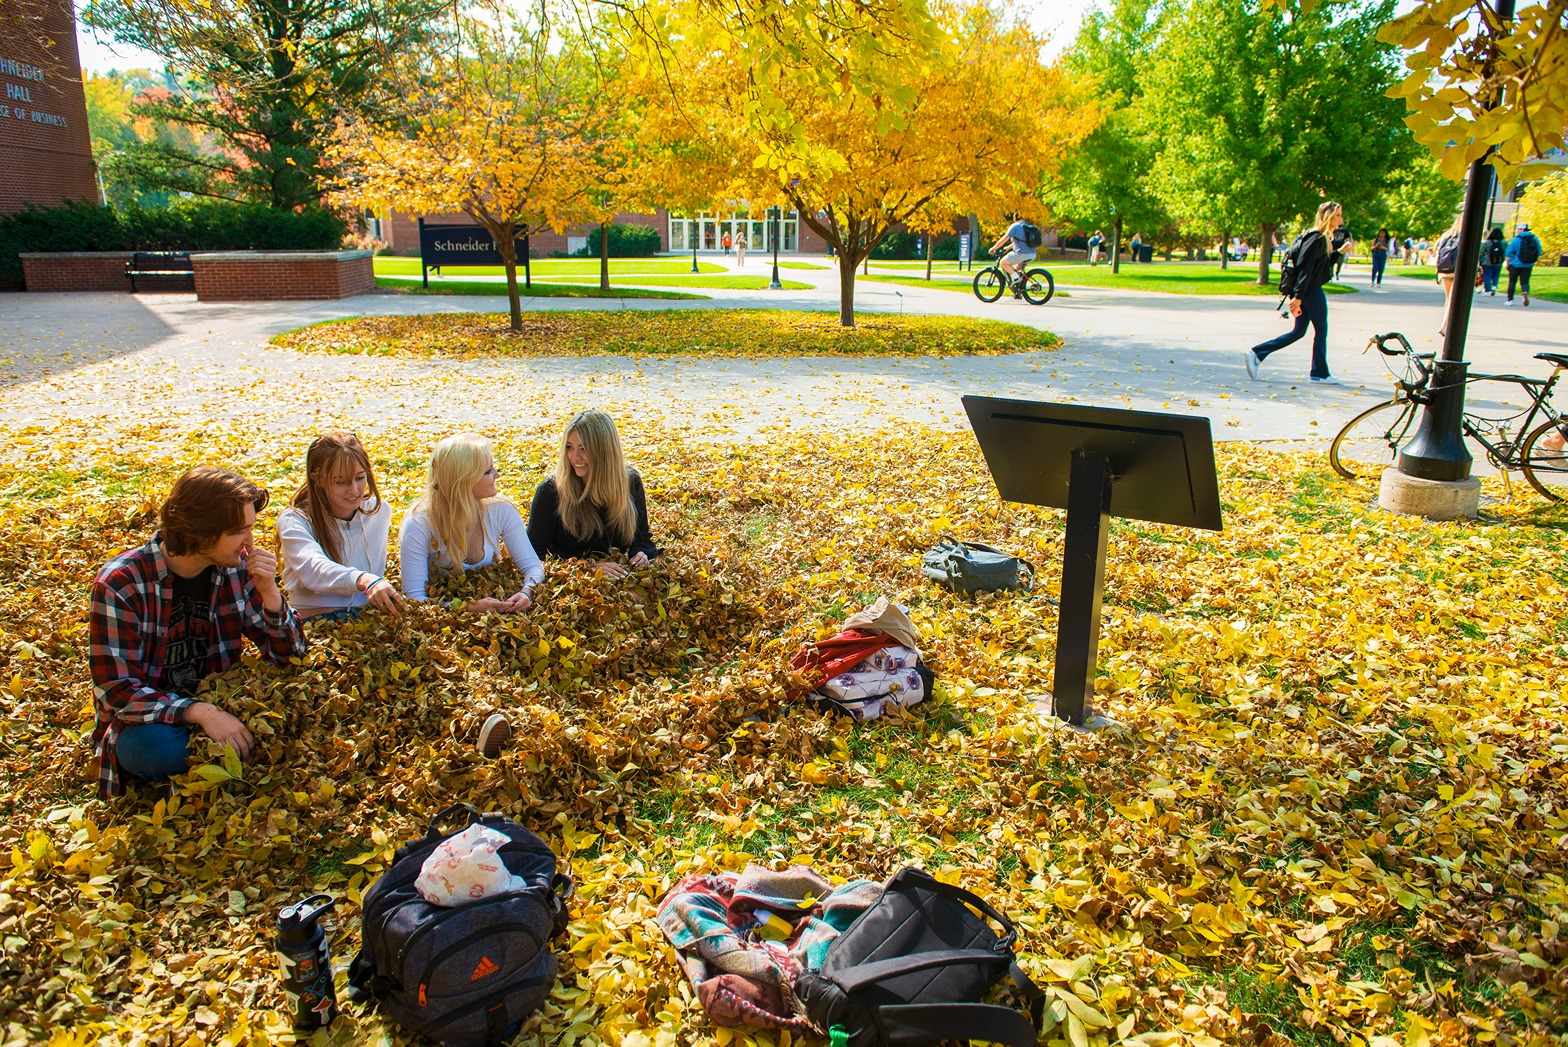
point(441, 245)
point(21, 79)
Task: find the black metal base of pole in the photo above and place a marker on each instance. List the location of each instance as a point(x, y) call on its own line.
point(694, 259)
point(1083, 581)
point(1438, 451)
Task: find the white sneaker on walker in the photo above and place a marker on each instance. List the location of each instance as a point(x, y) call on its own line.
point(1250, 361)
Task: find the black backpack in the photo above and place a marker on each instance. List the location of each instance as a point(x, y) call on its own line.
point(912, 968)
point(1496, 252)
point(1031, 235)
point(1448, 254)
point(465, 974)
point(1529, 249)
point(1290, 263)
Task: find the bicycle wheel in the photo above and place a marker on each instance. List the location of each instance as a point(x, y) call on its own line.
point(1038, 287)
point(989, 284)
point(1546, 467)
point(1370, 441)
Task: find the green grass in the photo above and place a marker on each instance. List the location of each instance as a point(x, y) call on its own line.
point(389, 266)
point(539, 290)
point(1548, 283)
point(744, 282)
point(802, 265)
point(941, 283)
point(1200, 278)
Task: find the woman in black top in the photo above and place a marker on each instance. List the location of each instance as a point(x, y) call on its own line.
point(1308, 304)
point(594, 504)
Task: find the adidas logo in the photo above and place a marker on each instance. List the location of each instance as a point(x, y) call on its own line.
point(485, 969)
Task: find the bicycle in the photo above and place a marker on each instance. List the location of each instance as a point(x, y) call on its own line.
point(1371, 440)
point(1035, 285)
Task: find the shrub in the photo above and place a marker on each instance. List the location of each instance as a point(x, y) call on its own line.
point(189, 225)
point(626, 241)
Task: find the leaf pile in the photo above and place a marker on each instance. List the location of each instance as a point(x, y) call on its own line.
point(747, 333)
point(1335, 809)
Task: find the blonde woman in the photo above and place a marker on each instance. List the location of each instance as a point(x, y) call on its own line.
point(1315, 259)
point(333, 535)
point(461, 522)
point(594, 505)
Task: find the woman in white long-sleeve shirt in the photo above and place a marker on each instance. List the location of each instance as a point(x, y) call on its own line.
point(334, 532)
point(460, 510)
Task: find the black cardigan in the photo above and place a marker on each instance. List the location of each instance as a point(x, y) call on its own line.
point(549, 535)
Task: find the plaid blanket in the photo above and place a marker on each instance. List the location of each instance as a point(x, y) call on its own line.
point(744, 937)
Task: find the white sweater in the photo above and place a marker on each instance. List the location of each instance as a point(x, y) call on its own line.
point(316, 584)
point(503, 524)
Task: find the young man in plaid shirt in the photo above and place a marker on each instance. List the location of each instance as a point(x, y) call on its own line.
point(167, 614)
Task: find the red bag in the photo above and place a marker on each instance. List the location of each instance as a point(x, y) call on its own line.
point(824, 659)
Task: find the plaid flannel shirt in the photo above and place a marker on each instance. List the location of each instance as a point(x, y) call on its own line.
point(128, 625)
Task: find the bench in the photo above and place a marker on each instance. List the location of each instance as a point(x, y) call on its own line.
point(169, 265)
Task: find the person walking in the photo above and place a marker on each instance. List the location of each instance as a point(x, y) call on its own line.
point(740, 251)
point(1493, 252)
point(1096, 242)
point(1137, 247)
point(1307, 303)
point(1524, 250)
point(1447, 261)
point(726, 242)
point(1380, 245)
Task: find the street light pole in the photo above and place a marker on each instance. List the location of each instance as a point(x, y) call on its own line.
point(692, 225)
point(778, 218)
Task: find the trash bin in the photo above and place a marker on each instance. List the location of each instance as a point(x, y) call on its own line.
point(1146, 253)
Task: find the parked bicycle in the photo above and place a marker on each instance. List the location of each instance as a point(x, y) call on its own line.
point(1035, 285)
point(1529, 438)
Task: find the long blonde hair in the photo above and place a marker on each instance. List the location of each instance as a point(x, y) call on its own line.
point(455, 465)
point(1326, 212)
point(608, 486)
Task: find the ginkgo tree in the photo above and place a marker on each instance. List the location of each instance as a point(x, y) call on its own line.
point(506, 128)
point(968, 112)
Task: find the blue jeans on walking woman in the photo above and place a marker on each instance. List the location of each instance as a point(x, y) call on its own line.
point(1314, 311)
point(1379, 263)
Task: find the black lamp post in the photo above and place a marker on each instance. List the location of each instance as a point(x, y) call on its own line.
point(778, 218)
point(692, 226)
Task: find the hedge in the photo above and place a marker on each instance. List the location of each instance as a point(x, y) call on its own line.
point(189, 225)
point(626, 241)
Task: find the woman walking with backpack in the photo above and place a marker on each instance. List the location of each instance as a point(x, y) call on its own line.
point(1493, 252)
point(1314, 263)
point(1447, 263)
point(1523, 252)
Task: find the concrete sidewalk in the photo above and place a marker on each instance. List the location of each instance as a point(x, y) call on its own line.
point(114, 358)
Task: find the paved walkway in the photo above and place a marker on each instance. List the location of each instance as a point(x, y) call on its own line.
point(109, 359)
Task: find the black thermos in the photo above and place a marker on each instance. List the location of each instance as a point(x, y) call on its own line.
point(304, 963)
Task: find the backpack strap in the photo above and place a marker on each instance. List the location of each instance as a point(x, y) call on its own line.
point(927, 1022)
point(925, 881)
point(864, 974)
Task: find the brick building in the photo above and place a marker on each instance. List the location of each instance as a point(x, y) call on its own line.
point(46, 156)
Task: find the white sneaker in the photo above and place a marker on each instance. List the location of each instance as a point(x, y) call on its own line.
point(1508, 301)
point(1328, 380)
point(1250, 361)
point(494, 735)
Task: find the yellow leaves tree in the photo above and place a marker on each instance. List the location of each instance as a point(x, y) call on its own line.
point(1545, 206)
point(508, 128)
point(1481, 82)
point(964, 111)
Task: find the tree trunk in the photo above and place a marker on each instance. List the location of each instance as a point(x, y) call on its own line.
point(604, 256)
point(505, 236)
point(1265, 245)
point(1116, 247)
point(1225, 249)
point(846, 286)
point(929, 238)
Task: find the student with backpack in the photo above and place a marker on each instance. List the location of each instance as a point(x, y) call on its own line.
point(1493, 251)
point(1307, 266)
point(1447, 262)
point(1524, 250)
point(1022, 239)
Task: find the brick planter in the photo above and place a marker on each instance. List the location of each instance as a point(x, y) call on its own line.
point(76, 271)
point(251, 276)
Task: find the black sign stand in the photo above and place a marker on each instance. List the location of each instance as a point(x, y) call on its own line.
point(1096, 463)
point(463, 245)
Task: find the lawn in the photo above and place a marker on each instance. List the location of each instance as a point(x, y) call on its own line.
point(1332, 810)
point(1548, 283)
point(741, 282)
point(1201, 278)
point(540, 289)
point(388, 265)
point(711, 332)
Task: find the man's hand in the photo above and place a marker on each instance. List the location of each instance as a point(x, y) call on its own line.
point(262, 566)
point(221, 727)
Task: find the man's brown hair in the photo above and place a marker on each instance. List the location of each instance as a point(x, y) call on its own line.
point(205, 504)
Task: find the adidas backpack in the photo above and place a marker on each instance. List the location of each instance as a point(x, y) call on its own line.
point(465, 974)
point(912, 968)
point(1290, 264)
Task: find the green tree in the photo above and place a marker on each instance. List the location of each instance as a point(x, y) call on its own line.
point(1420, 200)
point(265, 82)
point(1263, 113)
point(1104, 183)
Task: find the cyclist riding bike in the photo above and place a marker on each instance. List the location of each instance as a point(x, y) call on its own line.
point(1019, 254)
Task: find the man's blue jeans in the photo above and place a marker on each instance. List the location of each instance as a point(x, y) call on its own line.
point(153, 750)
point(1314, 311)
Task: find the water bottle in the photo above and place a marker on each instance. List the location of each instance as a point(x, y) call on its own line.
point(304, 963)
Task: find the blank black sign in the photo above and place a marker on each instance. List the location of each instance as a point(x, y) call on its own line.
point(1162, 465)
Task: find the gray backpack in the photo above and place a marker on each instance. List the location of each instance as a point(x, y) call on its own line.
point(466, 974)
point(968, 567)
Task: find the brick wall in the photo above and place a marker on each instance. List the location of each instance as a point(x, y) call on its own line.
point(45, 153)
point(78, 271)
point(236, 276)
